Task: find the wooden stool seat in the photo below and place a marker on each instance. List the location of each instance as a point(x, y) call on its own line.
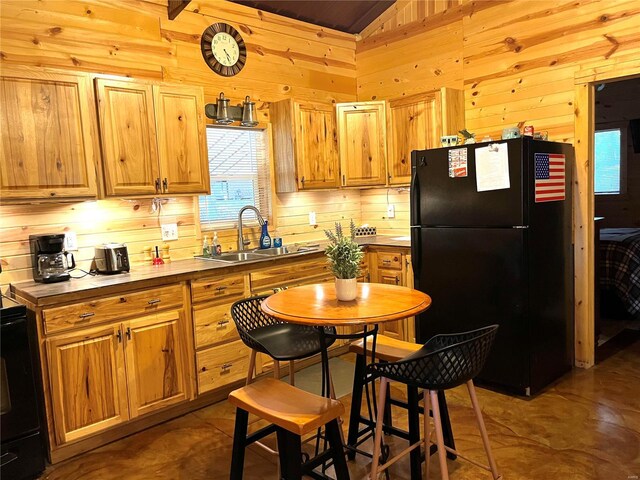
point(387, 349)
point(288, 407)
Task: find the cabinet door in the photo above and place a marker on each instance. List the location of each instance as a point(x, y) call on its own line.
point(48, 136)
point(87, 381)
point(317, 146)
point(156, 362)
point(182, 143)
point(362, 143)
point(128, 134)
point(413, 124)
point(396, 328)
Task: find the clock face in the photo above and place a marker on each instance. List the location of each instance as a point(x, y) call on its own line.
point(223, 49)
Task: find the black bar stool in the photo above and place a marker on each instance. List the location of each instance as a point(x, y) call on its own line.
point(388, 349)
point(444, 362)
point(293, 413)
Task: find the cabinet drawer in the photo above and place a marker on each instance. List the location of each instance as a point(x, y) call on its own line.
point(219, 366)
point(117, 307)
point(390, 260)
point(213, 324)
point(309, 271)
point(220, 288)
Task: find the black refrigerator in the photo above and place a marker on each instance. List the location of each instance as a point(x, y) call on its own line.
point(491, 244)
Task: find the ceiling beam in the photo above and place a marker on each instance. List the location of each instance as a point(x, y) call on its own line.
point(174, 7)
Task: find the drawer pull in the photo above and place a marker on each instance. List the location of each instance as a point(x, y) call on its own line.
point(221, 288)
point(154, 301)
point(226, 366)
point(386, 261)
point(86, 315)
point(222, 322)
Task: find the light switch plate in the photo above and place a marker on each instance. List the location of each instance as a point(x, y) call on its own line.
point(169, 231)
point(312, 218)
point(391, 211)
point(71, 241)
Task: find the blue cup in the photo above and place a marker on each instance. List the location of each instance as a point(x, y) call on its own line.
point(277, 242)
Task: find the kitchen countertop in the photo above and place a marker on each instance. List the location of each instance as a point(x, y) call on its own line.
point(175, 271)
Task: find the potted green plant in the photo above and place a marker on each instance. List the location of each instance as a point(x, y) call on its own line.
point(344, 256)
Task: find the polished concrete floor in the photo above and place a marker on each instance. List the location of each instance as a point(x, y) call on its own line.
point(586, 426)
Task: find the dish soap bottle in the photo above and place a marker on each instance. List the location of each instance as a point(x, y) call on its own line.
point(216, 249)
point(265, 238)
point(206, 251)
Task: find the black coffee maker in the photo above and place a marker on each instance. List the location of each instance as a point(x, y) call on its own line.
point(49, 260)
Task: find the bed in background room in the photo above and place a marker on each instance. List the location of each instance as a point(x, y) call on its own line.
point(620, 266)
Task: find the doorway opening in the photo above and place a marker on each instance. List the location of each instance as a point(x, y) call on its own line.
point(616, 180)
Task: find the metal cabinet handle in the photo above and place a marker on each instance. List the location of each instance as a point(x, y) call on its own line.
point(397, 280)
point(165, 185)
point(86, 315)
point(226, 366)
point(119, 335)
point(158, 185)
point(302, 182)
point(221, 288)
point(223, 322)
point(154, 301)
point(386, 261)
point(128, 333)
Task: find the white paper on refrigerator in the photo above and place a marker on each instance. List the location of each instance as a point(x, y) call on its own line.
point(492, 167)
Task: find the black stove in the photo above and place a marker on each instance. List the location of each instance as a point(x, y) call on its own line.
point(22, 455)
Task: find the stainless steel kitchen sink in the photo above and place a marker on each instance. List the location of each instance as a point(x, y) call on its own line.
point(258, 254)
point(273, 252)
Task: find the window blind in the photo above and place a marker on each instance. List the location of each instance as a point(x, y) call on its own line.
point(240, 175)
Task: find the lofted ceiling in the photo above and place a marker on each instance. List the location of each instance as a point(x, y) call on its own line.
point(350, 16)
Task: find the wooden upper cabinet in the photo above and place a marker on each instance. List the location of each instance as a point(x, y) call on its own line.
point(153, 138)
point(128, 134)
point(48, 135)
point(417, 123)
point(182, 143)
point(362, 143)
point(305, 145)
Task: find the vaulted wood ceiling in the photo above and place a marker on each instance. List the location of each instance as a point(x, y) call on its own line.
point(350, 16)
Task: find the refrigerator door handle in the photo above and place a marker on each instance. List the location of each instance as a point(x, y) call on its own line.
point(415, 198)
point(416, 254)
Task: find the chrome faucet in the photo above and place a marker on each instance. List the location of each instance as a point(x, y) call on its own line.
point(241, 241)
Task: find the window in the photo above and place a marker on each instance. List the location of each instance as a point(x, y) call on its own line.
point(239, 171)
point(609, 166)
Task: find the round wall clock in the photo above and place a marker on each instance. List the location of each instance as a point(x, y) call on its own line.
point(223, 49)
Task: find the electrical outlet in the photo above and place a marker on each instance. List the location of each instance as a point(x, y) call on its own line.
point(169, 231)
point(312, 218)
point(71, 241)
point(391, 211)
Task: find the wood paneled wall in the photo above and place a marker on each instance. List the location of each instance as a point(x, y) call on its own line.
point(403, 12)
point(286, 58)
point(520, 63)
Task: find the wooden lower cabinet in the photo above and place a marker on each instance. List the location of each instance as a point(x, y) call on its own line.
point(222, 365)
point(103, 376)
point(88, 382)
point(388, 265)
point(155, 356)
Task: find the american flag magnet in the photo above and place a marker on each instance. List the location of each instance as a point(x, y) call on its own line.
point(550, 176)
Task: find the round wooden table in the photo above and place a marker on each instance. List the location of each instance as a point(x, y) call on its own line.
point(317, 305)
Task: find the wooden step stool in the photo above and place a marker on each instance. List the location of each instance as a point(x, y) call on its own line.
point(292, 413)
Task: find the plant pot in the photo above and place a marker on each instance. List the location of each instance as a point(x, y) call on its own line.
point(346, 289)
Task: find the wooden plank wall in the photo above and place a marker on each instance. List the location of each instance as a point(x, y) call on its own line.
point(286, 58)
point(403, 12)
